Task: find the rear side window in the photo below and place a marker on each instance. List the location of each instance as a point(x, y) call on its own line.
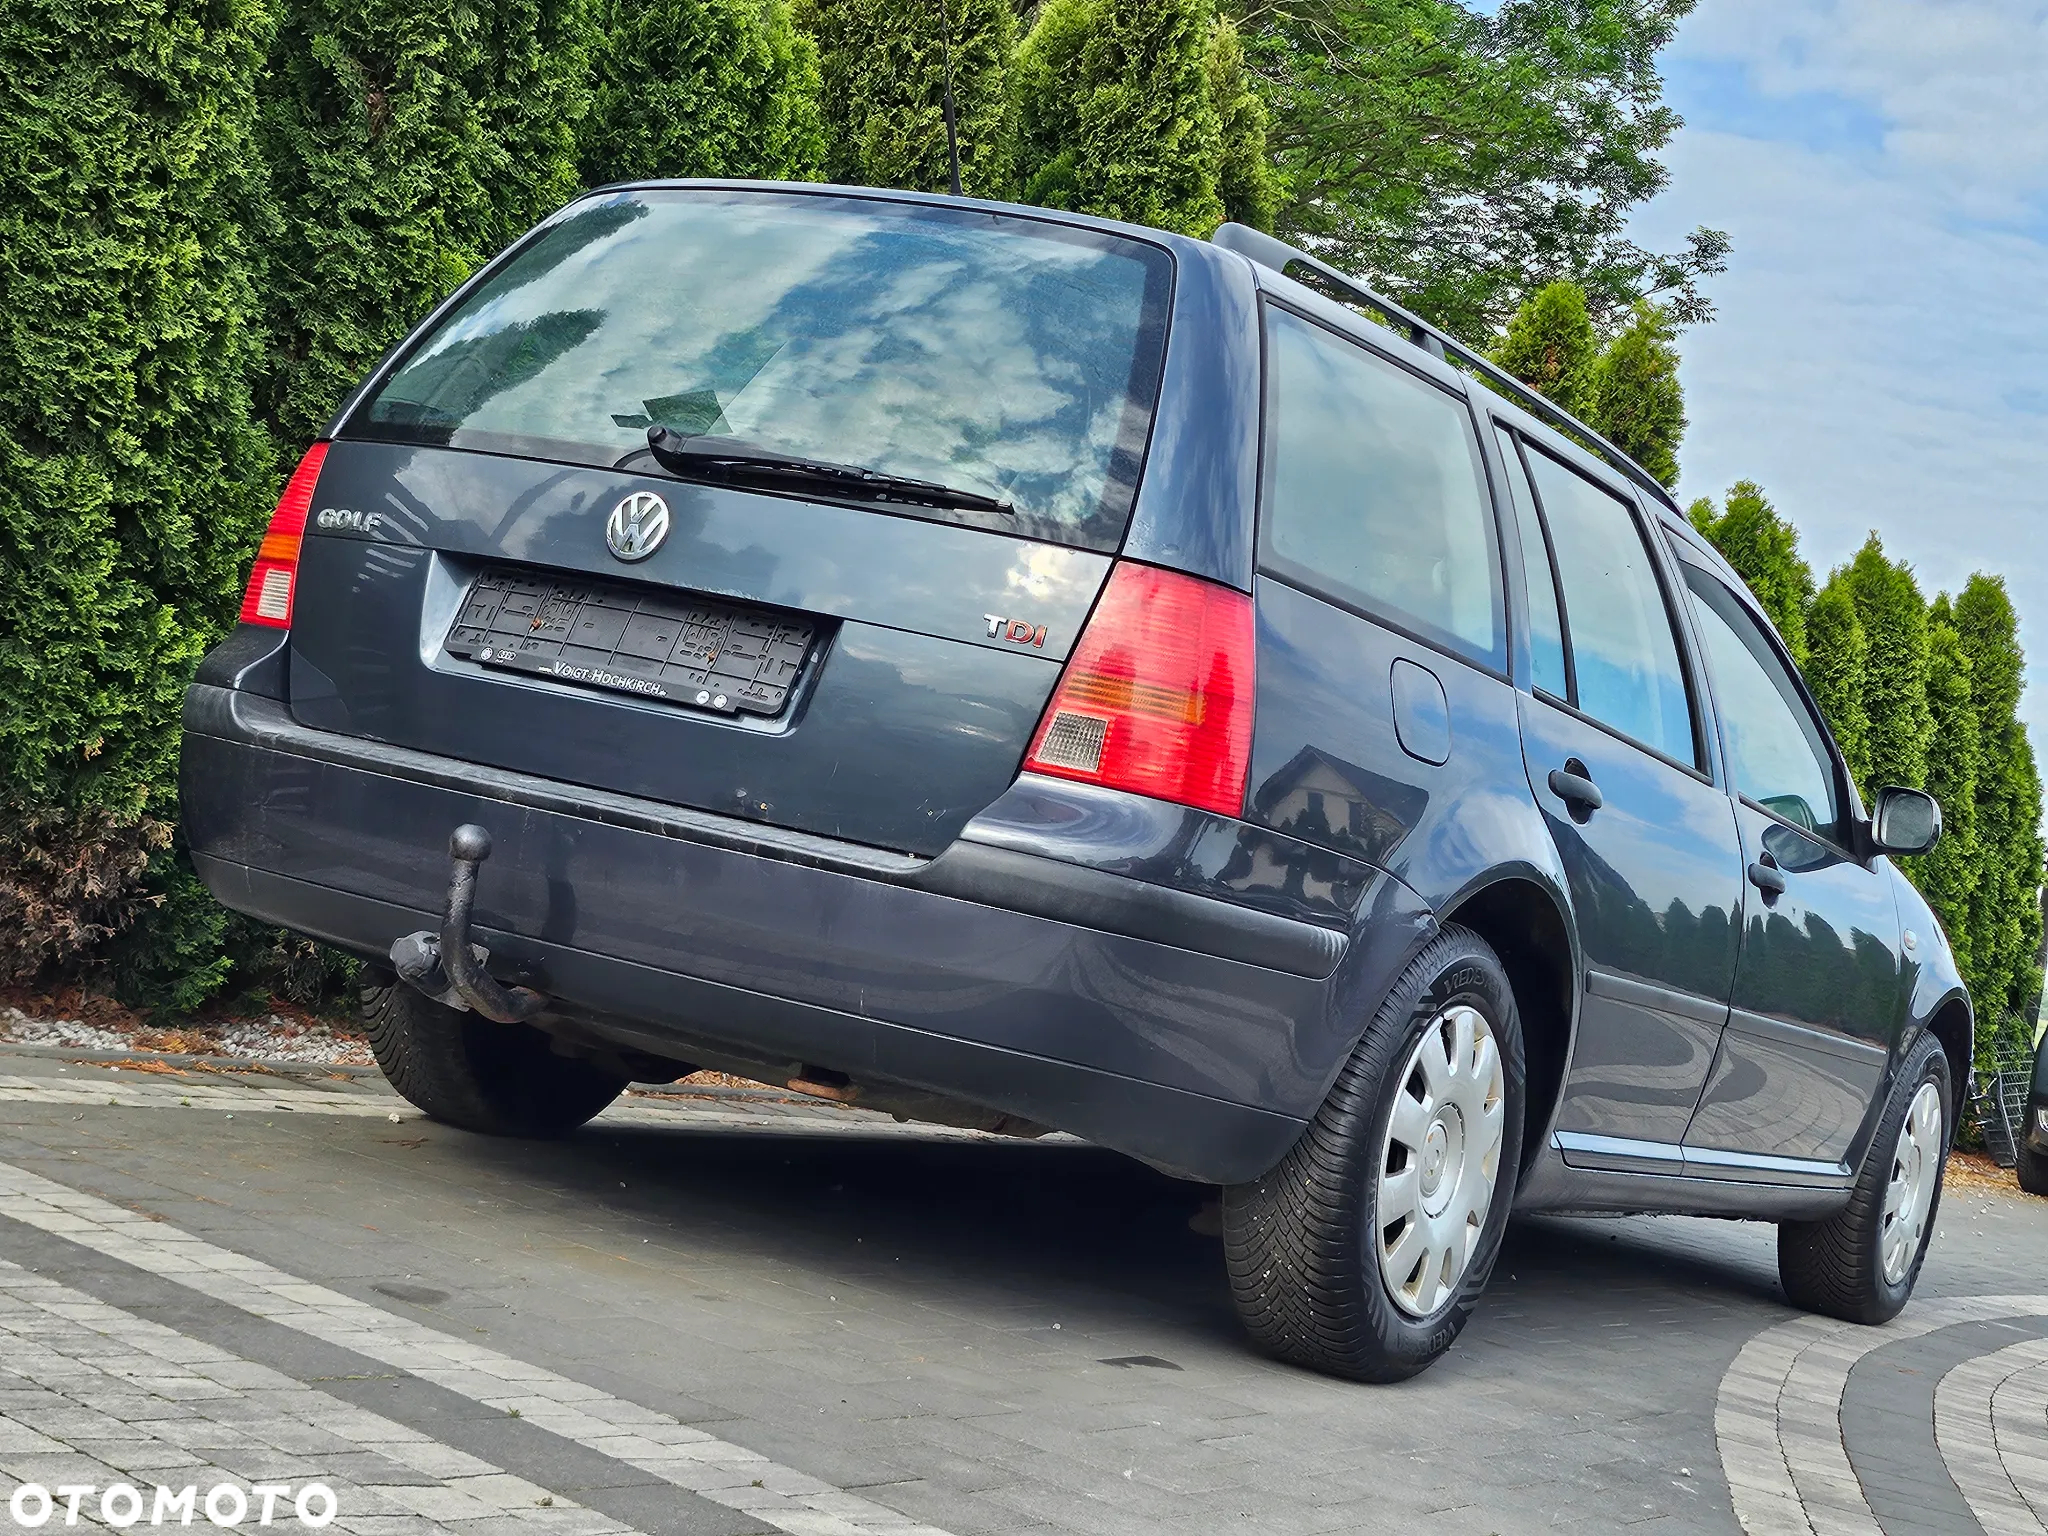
point(1624, 653)
point(1011, 357)
point(1375, 494)
point(1777, 755)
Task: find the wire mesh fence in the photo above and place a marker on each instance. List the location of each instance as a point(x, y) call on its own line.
point(1999, 1092)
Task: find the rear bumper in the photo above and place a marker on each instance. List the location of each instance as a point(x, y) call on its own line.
point(997, 977)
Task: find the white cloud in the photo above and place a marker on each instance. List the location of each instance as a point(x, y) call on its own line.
point(1881, 357)
point(1958, 82)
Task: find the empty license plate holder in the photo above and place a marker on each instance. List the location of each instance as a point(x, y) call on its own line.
point(651, 643)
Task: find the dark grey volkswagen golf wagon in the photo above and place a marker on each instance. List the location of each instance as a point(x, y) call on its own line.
point(1019, 671)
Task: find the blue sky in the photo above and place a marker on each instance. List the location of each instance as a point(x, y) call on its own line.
point(1881, 356)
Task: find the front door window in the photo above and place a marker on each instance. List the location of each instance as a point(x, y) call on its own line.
point(1776, 753)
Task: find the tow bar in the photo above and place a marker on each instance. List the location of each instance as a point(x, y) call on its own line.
point(447, 966)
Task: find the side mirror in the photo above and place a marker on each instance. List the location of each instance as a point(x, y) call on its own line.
point(1905, 821)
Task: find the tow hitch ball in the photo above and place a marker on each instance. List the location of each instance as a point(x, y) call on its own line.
point(446, 965)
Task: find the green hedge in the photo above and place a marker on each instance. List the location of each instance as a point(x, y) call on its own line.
point(1116, 115)
point(408, 141)
point(883, 74)
point(134, 474)
point(702, 88)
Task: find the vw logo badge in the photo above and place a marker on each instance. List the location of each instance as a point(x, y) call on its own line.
point(637, 526)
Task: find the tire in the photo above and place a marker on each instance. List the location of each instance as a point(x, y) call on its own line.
point(1304, 1242)
point(2032, 1167)
point(1838, 1266)
point(469, 1072)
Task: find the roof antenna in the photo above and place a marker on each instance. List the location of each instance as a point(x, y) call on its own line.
point(952, 133)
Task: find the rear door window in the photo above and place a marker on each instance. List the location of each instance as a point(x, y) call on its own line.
point(1014, 358)
point(1375, 495)
point(1547, 662)
point(1625, 665)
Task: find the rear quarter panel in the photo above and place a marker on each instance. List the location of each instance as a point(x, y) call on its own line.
point(1329, 768)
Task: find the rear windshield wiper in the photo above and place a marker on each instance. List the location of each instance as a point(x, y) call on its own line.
point(726, 456)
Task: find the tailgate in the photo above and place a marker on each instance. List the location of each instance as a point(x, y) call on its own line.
point(888, 712)
point(776, 504)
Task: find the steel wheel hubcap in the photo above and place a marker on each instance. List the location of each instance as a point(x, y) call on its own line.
point(1916, 1165)
point(1440, 1160)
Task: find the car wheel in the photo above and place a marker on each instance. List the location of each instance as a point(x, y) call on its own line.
point(467, 1071)
point(1860, 1264)
point(2032, 1167)
point(1363, 1252)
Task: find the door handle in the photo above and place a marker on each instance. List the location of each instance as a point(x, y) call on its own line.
point(1767, 878)
point(1571, 785)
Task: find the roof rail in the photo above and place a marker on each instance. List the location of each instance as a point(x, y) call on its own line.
point(1278, 256)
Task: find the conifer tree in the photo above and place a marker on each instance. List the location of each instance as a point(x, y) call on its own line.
point(883, 65)
point(1550, 346)
point(134, 480)
point(701, 88)
point(1115, 115)
point(2005, 910)
point(1948, 875)
point(1245, 179)
point(2010, 795)
point(1836, 668)
point(1894, 617)
point(1989, 630)
point(1627, 390)
point(408, 142)
point(1764, 549)
point(1633, 397)
point(1047, 93)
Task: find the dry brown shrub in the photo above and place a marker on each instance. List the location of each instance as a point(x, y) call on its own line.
point(70, 1001)
point(68, 880)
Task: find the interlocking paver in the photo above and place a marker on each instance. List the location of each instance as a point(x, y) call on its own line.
point(899, 1326)
point(80, 1357)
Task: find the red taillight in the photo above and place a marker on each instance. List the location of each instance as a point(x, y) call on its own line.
point(1157, 697)
point(268, 598)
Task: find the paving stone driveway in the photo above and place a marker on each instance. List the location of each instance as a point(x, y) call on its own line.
point(729, 1314)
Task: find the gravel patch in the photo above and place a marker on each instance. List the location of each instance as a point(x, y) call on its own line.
point(275, 1038)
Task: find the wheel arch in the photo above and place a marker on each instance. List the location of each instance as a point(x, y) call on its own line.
point(1953, 1024)
point(1527, 925)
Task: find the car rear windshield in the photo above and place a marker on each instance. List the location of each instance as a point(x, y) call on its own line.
point(1005, 356)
